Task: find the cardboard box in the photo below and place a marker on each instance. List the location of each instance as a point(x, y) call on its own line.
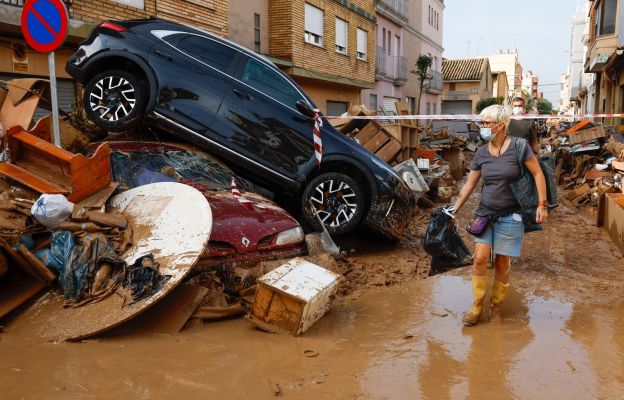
point(614, 218)
point(292, 297)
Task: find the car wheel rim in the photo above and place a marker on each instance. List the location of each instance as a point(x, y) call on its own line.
point(113, 98)
point(335, 202)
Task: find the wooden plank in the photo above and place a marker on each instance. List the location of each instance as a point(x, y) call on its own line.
point(20, 288)
point(37, 266)
point(587, 135)
point(97, 200)
point(376, 141)
point(24, 177)
point(115, 220)
point(172, 312)
point(577, 126)
point(389, 151)
point(18, 260)
point(366, 134)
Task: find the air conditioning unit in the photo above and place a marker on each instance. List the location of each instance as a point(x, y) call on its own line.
point(408, 171)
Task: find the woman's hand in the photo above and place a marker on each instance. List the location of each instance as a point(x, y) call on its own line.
point(542, 214)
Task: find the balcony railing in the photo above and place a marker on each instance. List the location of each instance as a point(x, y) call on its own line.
point(399, 7)
point(399, 65)
point(436, 81)
point(380, 66)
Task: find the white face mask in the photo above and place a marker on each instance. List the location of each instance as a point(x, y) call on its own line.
point(517, 110)
point(486, 134)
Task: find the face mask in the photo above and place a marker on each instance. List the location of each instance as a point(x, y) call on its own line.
point(486, 134)
point(517, 110)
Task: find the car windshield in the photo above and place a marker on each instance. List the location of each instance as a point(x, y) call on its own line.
point(139, 167)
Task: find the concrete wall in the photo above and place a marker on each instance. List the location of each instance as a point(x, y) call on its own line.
point(321, 93)
point(37, 64)
point(241, 23)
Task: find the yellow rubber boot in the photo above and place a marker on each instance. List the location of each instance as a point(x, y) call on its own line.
point(499, 292)
point(479, 284)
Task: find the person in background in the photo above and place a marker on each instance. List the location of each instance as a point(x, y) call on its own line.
point(523, 128)
point(497, 163)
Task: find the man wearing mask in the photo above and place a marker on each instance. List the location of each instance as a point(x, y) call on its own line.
point(523, 128)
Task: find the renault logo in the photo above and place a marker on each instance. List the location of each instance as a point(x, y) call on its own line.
point(245, 241)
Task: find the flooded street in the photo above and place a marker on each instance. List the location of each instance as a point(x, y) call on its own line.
point(394, 338)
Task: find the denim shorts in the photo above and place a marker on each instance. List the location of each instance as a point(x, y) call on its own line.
point(504, 236)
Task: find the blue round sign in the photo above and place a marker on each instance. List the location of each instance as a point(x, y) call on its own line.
point(44, 24)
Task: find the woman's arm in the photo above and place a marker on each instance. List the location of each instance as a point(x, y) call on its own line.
point(534, 168)
point(471, 182)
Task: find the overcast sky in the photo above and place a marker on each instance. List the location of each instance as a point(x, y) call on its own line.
point(539, 29)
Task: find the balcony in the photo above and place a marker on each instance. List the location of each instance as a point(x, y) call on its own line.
point(599, 52)
point(399, 70)
point(435, 83)
point(380, 65)
point(459, 94)
point(396, 10)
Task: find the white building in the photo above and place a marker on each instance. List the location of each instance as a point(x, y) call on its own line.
point(509, 62)
point(564, 94)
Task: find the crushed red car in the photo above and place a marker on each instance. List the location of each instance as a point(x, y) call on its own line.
point(242, 233)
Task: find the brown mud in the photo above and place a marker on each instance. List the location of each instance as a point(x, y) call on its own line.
point(391, 335)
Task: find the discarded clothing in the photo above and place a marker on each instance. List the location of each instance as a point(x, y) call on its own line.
point(143, 278)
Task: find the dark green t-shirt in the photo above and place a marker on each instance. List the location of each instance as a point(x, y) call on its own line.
point(523, 128)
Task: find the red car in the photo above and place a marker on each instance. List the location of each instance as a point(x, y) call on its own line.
point(241, 233)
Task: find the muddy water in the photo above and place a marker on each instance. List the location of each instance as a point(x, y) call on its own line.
point(394, 343)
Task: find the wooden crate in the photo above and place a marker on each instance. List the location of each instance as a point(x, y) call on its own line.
point(292, 297)
point(379, 141)
point(586, 135)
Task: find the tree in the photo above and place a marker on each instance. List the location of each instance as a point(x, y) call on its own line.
point(422, 72)
point(544, 106)
point(490, 101)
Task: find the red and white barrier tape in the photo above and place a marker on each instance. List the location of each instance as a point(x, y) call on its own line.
point(469, 117)
point(318, 143)
point(237, 194)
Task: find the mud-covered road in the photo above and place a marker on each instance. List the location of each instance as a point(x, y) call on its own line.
point(394, 333)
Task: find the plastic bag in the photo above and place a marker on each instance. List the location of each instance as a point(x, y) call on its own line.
point(443, 243)
point(52, 209)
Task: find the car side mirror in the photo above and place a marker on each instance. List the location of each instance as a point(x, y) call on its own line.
point(305, 109)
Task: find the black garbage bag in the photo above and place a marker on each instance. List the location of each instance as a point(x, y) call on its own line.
point(549, 168)
point(143, 278)
point(443, 243)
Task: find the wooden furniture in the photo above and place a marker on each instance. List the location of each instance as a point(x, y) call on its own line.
point(45, 168)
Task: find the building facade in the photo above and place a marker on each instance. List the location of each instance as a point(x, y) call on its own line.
point(466, 82)
point(500, 86)
point(509, 62)
point(605, 57)
point(530, 84)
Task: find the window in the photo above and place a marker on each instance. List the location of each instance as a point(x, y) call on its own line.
point(452, 86)
point(435, 108)
point(383, 39)
point(257, 32)
point(341, 36)
point(389, 41)
point(132, 3)
point(429, 15)
point(411, 105)
point(606, 17)
point(208, 51)
point(271, 83)
point(313, 25)
point(428, 108)
point(362, 44)
point(372, 102)
point(336, 107)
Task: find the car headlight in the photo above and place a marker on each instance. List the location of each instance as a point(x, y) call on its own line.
point(293, 235)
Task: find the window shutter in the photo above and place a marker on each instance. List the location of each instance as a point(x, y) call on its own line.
point(313, 20)
point(362, 41)
point(341, 33)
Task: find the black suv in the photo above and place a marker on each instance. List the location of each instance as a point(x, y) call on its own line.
point(237, 104)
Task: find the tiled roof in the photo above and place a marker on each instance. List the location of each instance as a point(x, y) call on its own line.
point(463, 70)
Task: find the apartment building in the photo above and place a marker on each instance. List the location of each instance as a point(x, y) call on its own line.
point(508, 61)
point(605, 57)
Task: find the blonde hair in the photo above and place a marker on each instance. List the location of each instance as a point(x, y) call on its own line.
point(498, 113)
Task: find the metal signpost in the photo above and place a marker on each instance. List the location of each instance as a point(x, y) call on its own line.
point(44, 25)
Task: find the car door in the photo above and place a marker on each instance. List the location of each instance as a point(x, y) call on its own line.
point(192, 73)
point(260, 119)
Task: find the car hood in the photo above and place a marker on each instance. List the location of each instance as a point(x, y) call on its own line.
point(233, 221)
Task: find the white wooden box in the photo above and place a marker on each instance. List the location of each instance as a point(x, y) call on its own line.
point(292, 297)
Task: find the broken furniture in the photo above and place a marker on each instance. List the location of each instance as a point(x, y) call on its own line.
point(19, 99)
point(171, 221)
point(45, 168)
point(614, 218)
point(292, 297)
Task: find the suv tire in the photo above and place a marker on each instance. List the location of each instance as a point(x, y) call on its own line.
point(114, 100)
point(338, 199)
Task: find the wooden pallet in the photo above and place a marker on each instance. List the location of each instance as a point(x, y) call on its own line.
point(379, 141)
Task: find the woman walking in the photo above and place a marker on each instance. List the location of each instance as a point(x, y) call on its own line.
point(497, 163)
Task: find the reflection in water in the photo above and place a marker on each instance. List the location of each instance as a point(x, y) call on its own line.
point(540, 351)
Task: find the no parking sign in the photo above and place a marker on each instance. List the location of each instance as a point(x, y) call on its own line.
point(44, 25)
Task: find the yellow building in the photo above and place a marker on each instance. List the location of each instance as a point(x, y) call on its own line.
point(466, 82)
